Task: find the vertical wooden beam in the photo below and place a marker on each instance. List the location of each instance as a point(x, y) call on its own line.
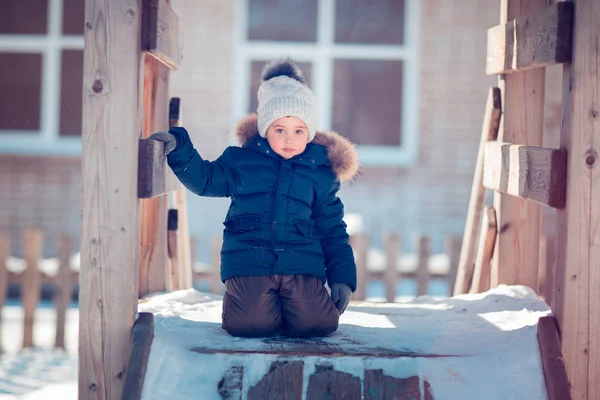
point(154, 258)
point(422, 248)
point(392, 250)
point(31, 282)
point(63, 289)
point(489, 131)
point(516, 255)
point(173, 250)
point(110, 220)
point(577, 298)
point(4, 254)
point(452, 247)
point(186, 261)
point(485, 249)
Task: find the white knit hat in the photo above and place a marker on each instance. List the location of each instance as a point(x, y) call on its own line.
point(284, 93)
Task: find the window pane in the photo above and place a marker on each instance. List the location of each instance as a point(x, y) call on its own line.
point(23, 16)
point(20, 91)
point(368, 21)
point(71, 93)
point(73, 17)
point(282, 20)
point(257, 67)
point(367, 101)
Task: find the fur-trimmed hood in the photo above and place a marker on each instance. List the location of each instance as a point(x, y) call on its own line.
point(341, 152)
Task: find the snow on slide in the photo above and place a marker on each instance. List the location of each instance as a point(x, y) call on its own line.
point(480, 346)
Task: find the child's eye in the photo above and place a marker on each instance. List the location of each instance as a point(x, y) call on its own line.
point(299, 132)
point(279, 130)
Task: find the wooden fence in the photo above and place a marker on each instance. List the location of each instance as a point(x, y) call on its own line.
point(388, 265)
point(30, 273)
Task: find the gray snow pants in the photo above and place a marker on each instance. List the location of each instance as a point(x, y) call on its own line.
point(292, 305)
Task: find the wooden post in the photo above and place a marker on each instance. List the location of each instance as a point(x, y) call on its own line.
point(360, 246)
point(576, 300)
point(110, 244)
point(485, 249)
point(422, 247)
point(452, 247)
point(63, 289)
point(4, 254)
point(31, 282)
point(180, 203)
point(392, 247)
point(489, 131)
point(173, 250)
point(154, 256)
point(516, 254)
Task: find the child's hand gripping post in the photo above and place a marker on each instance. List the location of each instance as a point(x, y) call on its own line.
point(341, 294)
point(168, 139)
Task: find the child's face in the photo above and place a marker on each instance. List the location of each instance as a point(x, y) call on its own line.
point(288, 136)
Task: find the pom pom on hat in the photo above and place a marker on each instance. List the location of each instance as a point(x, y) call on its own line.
point(284, 93)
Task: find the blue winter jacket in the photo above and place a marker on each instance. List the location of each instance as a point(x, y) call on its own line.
point(285, 217)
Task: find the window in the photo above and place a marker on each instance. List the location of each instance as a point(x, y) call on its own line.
point(41, 59)
point(359, 56)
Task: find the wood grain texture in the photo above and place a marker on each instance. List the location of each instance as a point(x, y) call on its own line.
point(154, 259)
point(528, 172)
point(63, 289)
point(154, 173)
point(392, 250)
point(186, 261)
point(31, 282)
point(4, 254)
point(516, 255)
point(160, 32)
point(485, 250)
point(489, 131)
point(110, 215)
point(330, 384)
point(576, 301)
point(422, 250)
point(231, 386)
point(380, 386)
point(141, 341)
point(553, 365)
point(532, 41)
point(283, 382)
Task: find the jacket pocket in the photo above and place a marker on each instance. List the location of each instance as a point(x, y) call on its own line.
point(308, 229)
point(242, 223)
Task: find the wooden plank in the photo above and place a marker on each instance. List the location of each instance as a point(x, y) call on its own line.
point(553, 364)
point(231, 386)
point(532, 41)
point(4, 254)
point(173, 251)
point(160, 32)
point(186, 261)
point(63, 289)
point(31, 283)
point(547, 279)
point(141, 341)
point(578, 277)
point(154, 174)
point(516, 255)
point(282, 382)
point(528, 172)
point(360, 245)
point(154, 259)
point(422, 249)
point(108, 278)
point(380, 386)
point(489, 131)
point(392, 250)
point(485, 250)
point(327, 383)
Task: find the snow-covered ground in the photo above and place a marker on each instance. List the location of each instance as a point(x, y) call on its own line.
point(41, 372)
point(485, 345)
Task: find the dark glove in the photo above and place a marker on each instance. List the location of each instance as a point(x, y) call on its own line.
point(167, 138)
point(341, 294)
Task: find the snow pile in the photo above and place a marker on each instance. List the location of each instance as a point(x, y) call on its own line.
point(485, 345)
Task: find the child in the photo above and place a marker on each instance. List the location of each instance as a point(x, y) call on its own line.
point(284, 235)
